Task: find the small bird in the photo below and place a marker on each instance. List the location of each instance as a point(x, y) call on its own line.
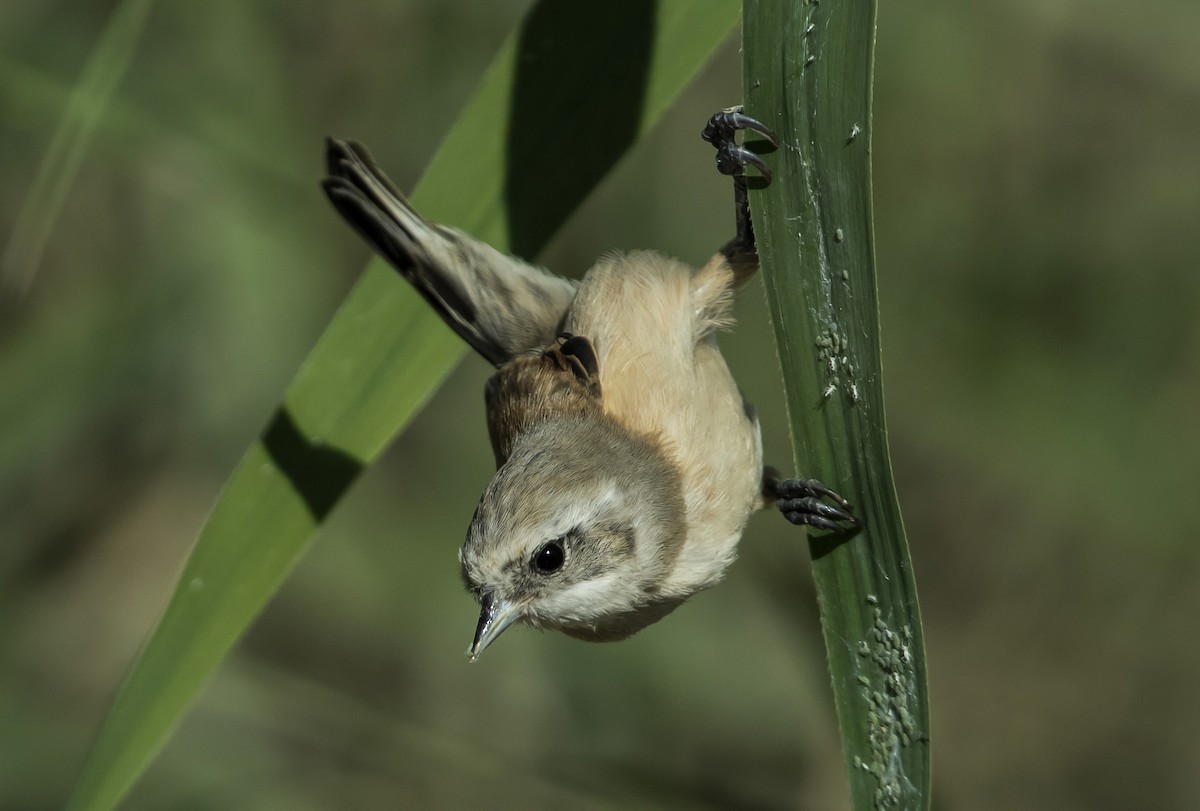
point(628, 462)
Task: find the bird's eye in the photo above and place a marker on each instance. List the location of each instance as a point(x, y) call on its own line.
point(549, 558)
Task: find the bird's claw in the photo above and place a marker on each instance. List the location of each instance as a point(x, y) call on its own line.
point(800, 501)
point(732, 158)
point(723, 125)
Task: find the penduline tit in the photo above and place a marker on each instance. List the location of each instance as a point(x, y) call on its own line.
point(628, 460)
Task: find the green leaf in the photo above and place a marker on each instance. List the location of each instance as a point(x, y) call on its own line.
point(568, 94)
point(102, 74)
point(808, 74)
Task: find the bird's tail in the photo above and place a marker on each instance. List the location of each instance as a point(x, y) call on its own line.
point(499, 305)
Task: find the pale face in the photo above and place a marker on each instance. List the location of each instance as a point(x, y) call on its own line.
point(558, 541)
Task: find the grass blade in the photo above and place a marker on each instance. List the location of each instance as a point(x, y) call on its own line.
point(101, 75)
point(385, 352)
point(808, 74)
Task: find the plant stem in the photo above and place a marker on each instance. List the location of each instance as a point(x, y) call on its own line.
point(808, 74)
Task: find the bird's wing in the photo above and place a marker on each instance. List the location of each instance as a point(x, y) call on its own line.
point(562, 382)
point(499, 305)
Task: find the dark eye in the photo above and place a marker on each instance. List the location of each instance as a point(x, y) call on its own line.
point(549, 558)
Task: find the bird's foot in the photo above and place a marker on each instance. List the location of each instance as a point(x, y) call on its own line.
point(732, 158)
point(801, 502)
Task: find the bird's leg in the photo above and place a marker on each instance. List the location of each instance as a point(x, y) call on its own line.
point(732, 159)
point(800, 501)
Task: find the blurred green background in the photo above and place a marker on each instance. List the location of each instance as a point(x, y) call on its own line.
point(1037, 198)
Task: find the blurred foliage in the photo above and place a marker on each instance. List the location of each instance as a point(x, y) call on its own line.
point(386, 351)
point(1036, 201)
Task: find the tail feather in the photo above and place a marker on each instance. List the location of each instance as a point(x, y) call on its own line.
point(501, 306)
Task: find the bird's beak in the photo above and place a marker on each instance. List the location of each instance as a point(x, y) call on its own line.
point(495, 615)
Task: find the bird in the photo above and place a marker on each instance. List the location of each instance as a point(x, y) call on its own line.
point(628, 460)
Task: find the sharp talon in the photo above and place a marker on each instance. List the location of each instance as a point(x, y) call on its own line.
point(732, 160)
point(745, 122)
point(801, 519)
point(723, 125)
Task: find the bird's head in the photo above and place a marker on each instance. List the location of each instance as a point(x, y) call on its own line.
point(576, 532)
